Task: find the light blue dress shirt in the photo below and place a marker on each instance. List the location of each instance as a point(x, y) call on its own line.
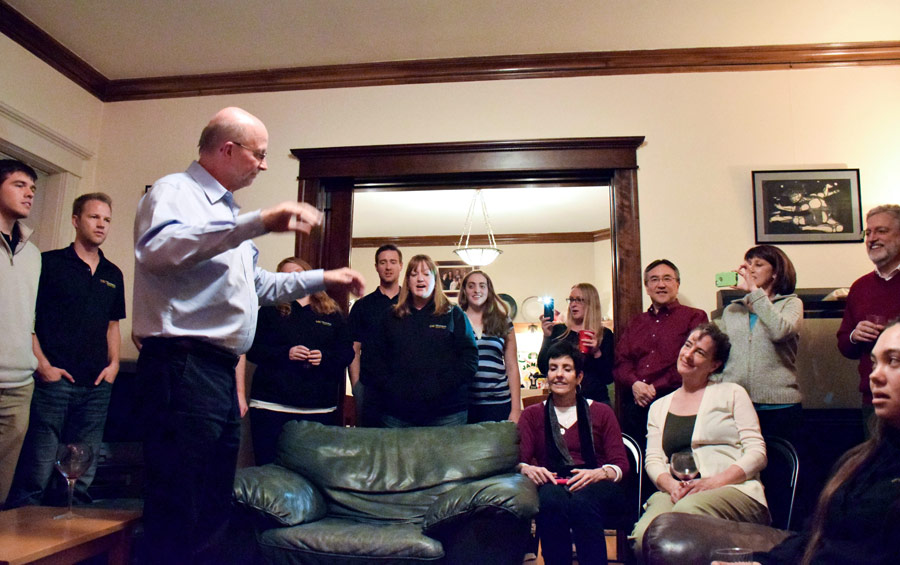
point(195, 272)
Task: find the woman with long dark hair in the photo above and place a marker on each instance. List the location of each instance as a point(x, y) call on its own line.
point(584, 315)
point(857, 518)
point(494, 393)
point(571, 448)
point(764, 329)
point(301, 350)
point(423, 358)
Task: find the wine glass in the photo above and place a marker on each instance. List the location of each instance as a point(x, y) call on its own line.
point(683, 467)
point(72, 461)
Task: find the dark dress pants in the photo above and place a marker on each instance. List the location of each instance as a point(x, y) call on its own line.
point(265, 427)
point(191, 440)
point(579, 516)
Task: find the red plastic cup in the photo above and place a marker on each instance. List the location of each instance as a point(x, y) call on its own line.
point(584, 336)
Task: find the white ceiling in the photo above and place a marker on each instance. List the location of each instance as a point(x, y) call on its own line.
point(151, 38)
point(511, 210)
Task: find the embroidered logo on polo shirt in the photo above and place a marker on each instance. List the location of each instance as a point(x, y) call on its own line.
point(107, 283)
point(437, 326)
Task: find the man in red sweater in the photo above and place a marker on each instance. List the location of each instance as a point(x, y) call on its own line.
point(647, 350)
point(874, 298)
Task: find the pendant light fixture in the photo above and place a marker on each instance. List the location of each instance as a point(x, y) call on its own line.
point(477, 256)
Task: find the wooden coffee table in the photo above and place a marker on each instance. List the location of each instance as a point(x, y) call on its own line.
point(31, 535)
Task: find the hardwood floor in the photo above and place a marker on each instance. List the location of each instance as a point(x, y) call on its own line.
point(610, 552)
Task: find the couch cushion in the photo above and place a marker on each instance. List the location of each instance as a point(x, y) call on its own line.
point(394, 475)
point(279, 494)
point(330, 539)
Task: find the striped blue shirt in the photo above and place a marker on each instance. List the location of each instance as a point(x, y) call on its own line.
point(490, 384)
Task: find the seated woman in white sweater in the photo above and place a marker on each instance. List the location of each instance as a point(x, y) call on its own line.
point(717, 424)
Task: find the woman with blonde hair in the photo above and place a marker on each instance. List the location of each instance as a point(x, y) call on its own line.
point(423, 358)
point(585, 330)
point(494, 393)
point(301, 350)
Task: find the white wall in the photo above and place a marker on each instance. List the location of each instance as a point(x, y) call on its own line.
point(54, 125)
point(705, 133)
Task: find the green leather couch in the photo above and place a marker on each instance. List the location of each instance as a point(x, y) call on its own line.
point(418, 495)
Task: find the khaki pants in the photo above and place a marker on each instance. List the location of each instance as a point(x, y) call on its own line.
point(725, 502)
point(15, 405)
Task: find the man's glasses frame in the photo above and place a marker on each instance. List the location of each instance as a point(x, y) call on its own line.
point(260, 155)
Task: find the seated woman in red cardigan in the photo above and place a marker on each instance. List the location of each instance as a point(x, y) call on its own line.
point(571, 447)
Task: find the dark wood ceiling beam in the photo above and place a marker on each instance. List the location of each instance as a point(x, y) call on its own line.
point(553, 65)
point(502, 239)
point(40, 44)
point(713, 59)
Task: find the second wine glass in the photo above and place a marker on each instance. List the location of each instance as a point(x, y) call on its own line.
point(72, 461)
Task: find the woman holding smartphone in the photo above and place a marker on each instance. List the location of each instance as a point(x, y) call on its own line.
point(583, 329)
point(494, 393)
point(764, 329)
point(423, 358)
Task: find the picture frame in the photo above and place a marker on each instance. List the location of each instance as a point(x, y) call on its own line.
point(450, 275)
point(807, 206)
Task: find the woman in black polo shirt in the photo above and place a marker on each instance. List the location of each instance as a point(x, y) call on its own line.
point(301, 351)
point(425, 354)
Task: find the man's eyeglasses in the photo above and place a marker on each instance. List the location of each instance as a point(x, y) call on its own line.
point(260, 155)
point(666, 279)
point(572, 299)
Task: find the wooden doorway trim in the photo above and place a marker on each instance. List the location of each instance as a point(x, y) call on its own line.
point(329, 175)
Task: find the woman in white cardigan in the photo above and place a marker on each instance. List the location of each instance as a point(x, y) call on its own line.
point(717, 422)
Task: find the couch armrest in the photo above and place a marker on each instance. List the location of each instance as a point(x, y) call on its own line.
point(675, 538)
point(513, 493)
point(279, 494)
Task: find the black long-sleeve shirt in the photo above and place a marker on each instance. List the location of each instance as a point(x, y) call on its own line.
point(862, 525)
point(422, 363)
point(598, 371)
point(297, 383)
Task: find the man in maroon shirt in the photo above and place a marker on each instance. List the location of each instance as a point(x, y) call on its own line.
point(874, 298)
point(648, 349)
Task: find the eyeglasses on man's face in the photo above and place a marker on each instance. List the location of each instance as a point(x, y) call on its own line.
point(668, 279)
point(260, 155)
point(575, 299)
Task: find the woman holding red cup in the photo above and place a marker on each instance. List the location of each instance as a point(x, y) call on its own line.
point(583, 328)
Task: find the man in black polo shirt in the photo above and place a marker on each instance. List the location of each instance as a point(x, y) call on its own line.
point(364, 319)
point(80, 301)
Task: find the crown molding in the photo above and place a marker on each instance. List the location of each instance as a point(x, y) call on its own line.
point(15, 26)
point(508, 67)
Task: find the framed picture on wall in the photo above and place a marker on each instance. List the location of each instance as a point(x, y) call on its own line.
point(815, 206)
point(450, 275)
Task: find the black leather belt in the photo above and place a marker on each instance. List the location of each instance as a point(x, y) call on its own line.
point(192, 346)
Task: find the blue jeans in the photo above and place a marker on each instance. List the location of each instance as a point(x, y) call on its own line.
point(489, 412)
point(455, 419)
point(61, 413)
